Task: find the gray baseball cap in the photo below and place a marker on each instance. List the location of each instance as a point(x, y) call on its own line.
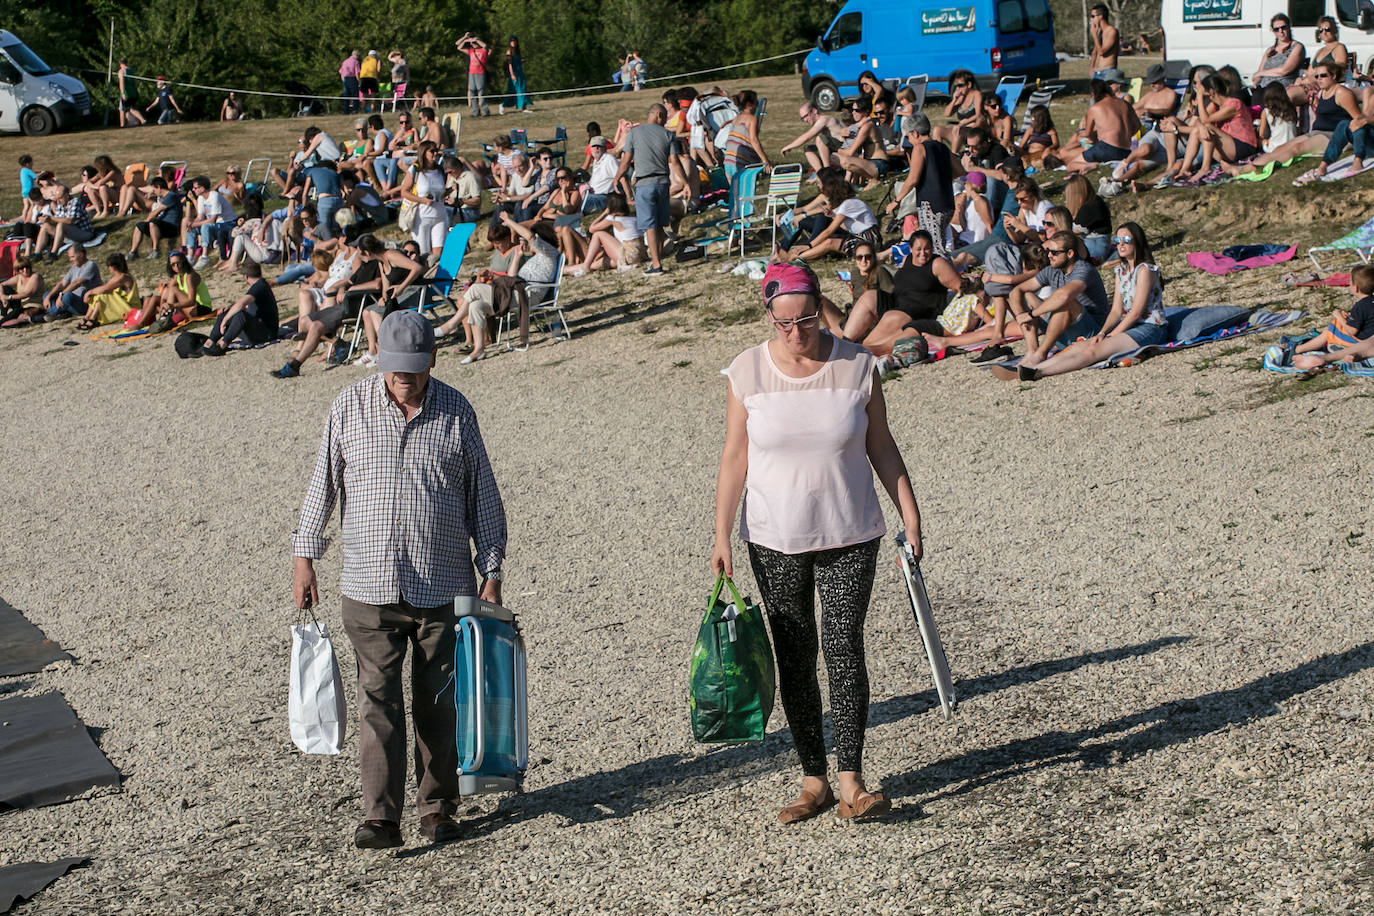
point(405, 343)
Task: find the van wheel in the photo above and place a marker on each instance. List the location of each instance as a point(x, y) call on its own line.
point(37, 122)
point(825, 95)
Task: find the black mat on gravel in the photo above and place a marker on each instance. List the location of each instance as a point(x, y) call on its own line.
point(23, 881)
point(46, 754)
point(23, 647)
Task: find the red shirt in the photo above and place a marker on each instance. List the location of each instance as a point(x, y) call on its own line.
point(477, 60)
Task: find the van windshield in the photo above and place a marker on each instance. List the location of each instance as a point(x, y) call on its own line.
point(28, 61)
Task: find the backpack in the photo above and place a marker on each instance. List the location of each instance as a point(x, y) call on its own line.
point(717, 112)
point(188, 342)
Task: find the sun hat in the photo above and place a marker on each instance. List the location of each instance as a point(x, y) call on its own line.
point(1155, 74)
point(788, 279)
point(405, 342)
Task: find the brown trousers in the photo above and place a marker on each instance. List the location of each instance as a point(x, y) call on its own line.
point(380, 635)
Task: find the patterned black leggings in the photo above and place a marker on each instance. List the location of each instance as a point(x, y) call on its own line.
point(788, 584)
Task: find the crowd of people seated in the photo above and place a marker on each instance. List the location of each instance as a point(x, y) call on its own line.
point(970, 248)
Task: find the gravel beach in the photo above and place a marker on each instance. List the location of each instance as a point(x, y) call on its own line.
point(1153, 586)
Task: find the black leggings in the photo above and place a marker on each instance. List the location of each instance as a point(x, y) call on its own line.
point(241, 324)
point(788, 584)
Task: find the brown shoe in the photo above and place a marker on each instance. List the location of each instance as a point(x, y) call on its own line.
point(807, 806)
point(377, 835)
point(439, 828)
point(865, 805)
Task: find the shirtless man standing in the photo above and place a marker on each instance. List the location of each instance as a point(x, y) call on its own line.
point(827, 132)
point(1105, 135)
point(1106, 39)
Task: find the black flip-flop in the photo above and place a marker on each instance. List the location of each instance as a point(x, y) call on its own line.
point(991, 354)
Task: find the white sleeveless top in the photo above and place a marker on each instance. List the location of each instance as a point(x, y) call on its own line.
point(810, 485)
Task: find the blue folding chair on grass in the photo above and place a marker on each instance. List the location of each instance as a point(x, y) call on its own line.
point(437, 287)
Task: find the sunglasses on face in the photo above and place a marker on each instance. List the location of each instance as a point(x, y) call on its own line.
point(1282, 28)
point(786, 324)
point(1123, 240)
point(1325, 28)
point(1023, 198)
point(1323, 75)
point(863, 257)
point(1056, 251)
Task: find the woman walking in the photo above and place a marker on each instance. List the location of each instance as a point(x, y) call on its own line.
point(804, 420)
point(515, 75)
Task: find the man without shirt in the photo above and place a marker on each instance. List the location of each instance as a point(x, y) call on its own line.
point(1106, 132)
point(823, 131)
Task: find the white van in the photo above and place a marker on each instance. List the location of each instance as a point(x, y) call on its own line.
point(35, 98)
point(1236, 32)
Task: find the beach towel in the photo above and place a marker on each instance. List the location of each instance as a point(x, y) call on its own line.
point(1241, 257)
point(1342, 168)
point(1279, 358)
point(1200, 326)
point(95, 242)
point(1192, 328)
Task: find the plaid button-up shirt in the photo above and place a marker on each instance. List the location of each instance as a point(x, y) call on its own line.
point(412, 496)
point(74, 210)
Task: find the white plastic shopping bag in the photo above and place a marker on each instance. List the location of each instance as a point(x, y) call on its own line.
point(317, 707)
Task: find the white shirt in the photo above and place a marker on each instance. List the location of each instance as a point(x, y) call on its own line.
point(215, 208)
point(380, 141)
point(858, 218)
point(626, 228)
point(603, 174)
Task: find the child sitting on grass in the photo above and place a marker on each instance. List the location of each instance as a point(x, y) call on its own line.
point(1350, 335)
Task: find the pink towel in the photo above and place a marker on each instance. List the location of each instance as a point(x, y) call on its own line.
point(1219, 264)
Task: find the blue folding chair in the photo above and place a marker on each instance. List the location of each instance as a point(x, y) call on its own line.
point(558, 145)
point(438, 286)
point(742, 200)
point(1009, 90)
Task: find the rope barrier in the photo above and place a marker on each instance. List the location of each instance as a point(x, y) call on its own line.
point(458, 98)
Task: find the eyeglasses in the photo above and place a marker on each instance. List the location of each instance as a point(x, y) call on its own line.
point(1282, 28)
point(1325, 28)
point(545, 158)
point(1123, 240)
point(565, 178)
point(880, 111)
point(805, 322)
point(1322, 75)
point(864, 257)
point(1023, 198)
point(1049, 250)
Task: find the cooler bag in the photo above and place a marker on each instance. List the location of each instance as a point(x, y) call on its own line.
point(489, 696)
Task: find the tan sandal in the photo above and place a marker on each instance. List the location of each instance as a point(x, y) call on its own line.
point(865, 805)
point(807, 806)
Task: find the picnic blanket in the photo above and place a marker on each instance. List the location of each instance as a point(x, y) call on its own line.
point(1241, 257)
point(1199, 326)
point(1280, 359)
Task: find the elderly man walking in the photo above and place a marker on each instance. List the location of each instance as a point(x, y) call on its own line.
point(402, 454)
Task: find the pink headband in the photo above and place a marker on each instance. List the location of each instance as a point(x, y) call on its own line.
point(787, 279)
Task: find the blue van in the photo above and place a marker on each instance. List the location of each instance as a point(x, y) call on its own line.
point(897, 39)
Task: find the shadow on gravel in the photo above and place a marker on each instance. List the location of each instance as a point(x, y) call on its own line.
point(669, 778)
point(1116, 742)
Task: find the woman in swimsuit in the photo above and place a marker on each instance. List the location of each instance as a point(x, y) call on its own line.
point(564, 210)
point(1281, 61)
point(1334, 105)
point(1040, 137)
point(998, 122)
point(965, 107)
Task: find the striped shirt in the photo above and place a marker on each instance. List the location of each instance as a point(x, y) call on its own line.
point(412, 495)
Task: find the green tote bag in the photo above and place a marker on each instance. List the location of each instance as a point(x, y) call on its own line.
point(732, 673)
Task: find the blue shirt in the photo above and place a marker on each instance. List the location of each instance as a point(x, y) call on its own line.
point(27, 178)
point(326, 181)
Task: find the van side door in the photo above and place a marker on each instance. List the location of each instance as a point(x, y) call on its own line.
point(11, 85)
